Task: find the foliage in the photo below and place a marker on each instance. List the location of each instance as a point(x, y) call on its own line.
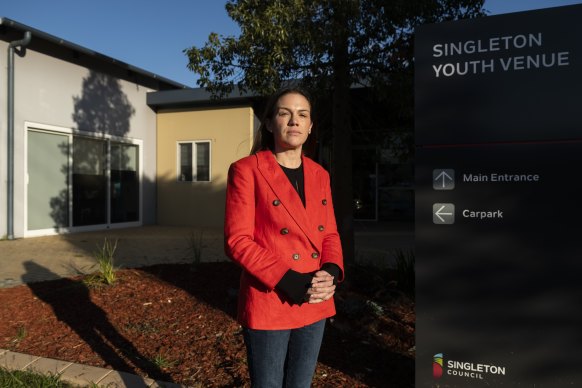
point(405, 273)
point(162, 362)
point(329, 47)
point(369, 279)
point(21, 334)
point(104, 256)
point(298, 40)
point(25, 379)
point(195, 245)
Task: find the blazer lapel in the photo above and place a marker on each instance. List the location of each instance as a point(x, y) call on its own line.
point(280, 185)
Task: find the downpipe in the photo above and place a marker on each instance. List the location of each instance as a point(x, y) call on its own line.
point(17, 46)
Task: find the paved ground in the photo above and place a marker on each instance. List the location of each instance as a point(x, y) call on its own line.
point(71, 254)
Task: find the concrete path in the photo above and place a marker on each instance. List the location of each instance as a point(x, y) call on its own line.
point(72, 254)
point(81, 375)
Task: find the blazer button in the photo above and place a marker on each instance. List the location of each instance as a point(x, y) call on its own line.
point(276, 202)
point(315, 255)
point(296, 256)
point(324, 201)
point(321, 228)
point(284, 231)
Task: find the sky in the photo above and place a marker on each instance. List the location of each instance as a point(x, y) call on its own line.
point(152, 35)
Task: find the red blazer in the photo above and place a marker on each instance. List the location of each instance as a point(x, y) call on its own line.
point(267, 231)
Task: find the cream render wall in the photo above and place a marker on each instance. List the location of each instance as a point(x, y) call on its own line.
point(230, 131)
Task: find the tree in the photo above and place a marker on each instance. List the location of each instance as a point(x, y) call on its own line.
point(328, 46)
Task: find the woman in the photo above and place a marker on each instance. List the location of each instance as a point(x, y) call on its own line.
point(280, 228)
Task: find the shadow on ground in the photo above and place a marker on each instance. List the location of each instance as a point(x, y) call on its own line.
point(92, 326)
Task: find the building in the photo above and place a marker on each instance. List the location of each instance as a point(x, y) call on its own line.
point(197, 140)
point(78, 141)
point(88, 142)
point(90, 146)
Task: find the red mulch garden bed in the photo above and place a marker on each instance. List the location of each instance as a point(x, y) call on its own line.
point(177, 323)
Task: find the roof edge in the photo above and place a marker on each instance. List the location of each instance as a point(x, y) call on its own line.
point(9, 23)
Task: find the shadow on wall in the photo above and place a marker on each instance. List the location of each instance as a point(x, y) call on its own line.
point(103, 110)
point(103, 107)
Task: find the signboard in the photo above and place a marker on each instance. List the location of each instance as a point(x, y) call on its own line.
point(498, 200)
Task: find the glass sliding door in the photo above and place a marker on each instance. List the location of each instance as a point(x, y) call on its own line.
point(89, 181)
point(48, 171)
point(124, 197)
point(77, 181)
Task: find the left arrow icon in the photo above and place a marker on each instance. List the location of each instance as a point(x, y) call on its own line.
point(443, 213)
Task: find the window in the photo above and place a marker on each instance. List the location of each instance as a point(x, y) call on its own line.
point(76, 180)
point(194, 161)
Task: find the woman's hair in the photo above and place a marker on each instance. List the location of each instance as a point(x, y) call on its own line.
point(264, 139)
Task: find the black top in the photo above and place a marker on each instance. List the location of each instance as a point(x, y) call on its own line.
point(295, 284)
point(295, 176)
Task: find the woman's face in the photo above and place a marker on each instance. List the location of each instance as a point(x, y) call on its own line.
point(291, 123)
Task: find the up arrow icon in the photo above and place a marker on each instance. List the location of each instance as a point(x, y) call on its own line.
point(443, 179)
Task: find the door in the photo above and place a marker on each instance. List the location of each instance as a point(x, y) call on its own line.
point(48, 171)
point(89, 181)
point(124, 198)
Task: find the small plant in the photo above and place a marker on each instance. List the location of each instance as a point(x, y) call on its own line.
point(141, 327)
point(375, 308)
point(162, 362)
point(104, 257)
point(405, 273)
point(20, 334)
point(195, 245)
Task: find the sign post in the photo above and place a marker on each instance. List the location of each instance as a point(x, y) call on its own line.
point(499, 200)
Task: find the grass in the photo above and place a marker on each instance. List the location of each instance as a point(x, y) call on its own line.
point(107, 271)
point(405, 274)
point(20, 334)
point(195, 245)
point(25, 379)
point(141, 327)
point(162, 362)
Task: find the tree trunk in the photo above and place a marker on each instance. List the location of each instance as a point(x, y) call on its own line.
point(341, 163)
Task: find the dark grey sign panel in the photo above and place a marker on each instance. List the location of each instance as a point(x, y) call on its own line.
point(498, 212)
point(510, 77)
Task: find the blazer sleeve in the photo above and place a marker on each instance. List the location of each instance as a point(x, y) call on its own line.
point(331, 246)
point(239, 227)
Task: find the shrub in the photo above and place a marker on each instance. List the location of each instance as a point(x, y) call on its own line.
point(107, 271)
point(195, 245)
point(405, 273)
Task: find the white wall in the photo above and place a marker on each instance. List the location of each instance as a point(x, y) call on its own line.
point(53, 92)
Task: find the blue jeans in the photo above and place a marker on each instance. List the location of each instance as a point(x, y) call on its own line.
point(283, 358)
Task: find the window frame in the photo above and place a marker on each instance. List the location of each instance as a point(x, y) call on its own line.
point(194, 164)
point(71, 135)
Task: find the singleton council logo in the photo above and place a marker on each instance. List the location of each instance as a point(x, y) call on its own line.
point(437, 366)
point(463, 369)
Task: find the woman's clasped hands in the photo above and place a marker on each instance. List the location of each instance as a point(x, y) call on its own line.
point(322, 287)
